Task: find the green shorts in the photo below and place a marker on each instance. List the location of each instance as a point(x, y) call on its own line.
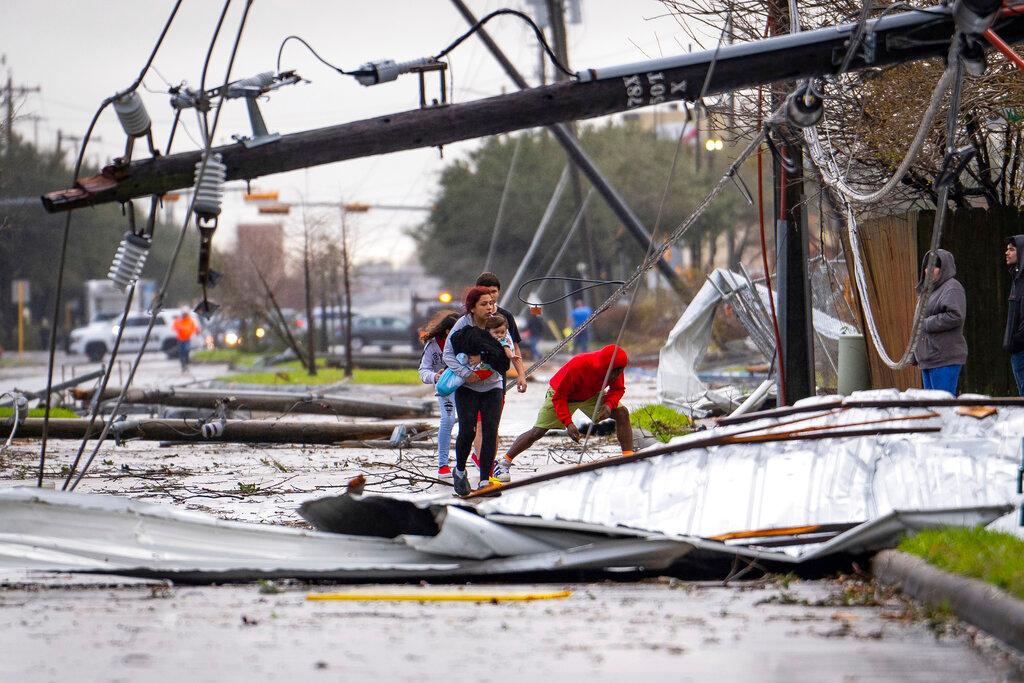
point(547, 419)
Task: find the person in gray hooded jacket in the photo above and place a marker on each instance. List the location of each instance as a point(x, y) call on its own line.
point(941, 348)
point(1013, 337)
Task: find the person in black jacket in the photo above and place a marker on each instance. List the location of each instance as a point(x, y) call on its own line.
point(1013, 337)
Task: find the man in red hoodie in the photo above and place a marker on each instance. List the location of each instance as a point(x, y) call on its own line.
point(579, 385)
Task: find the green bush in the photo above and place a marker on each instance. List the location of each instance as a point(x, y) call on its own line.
point(660, 421)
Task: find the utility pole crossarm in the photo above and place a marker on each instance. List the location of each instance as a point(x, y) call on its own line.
point(897, 38)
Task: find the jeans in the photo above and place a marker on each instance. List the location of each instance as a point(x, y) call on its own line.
point(183, 349)
point(468, 405)
point(944, 378)
point(444, 428)
point(581, 342)
point(1017, 363)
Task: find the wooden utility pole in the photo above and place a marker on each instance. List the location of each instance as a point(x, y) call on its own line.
point(310, 319)
point(10, 92)
point(346, 273)
point(898, 38)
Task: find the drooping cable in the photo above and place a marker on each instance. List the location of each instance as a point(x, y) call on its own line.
point(829, 169)
point(158, 299)
point(16, 403)
point(516, 13)
point(62, 260)
point(779, 364)
point(574, 224)
point(941, 208)
point(590, 284)
point(316, 54)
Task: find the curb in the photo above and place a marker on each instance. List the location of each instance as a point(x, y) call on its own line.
point(974, 601)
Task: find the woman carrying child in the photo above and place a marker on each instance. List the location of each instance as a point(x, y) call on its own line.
point(434, 337)
point(481, 394)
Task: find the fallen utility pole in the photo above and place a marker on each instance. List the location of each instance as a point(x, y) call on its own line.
point(232, 431)
point(578, 158)
point(73, 382)
point(270, 401)
point(897, 38)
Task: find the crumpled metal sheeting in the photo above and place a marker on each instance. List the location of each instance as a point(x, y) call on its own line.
point(53, 530)
point(710, 491)
point(56, 531)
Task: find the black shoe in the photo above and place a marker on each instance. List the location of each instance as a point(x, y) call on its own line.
point(461, 482)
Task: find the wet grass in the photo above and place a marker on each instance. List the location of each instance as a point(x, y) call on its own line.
point(295, 373)
point(660, 421)
point(39, 412)
point(994, 557)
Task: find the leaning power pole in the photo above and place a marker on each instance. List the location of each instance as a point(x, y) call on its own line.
point(795, 354)
point(564, 135)
point(559, 34)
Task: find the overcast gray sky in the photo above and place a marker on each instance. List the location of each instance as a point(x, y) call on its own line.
point(80, 51)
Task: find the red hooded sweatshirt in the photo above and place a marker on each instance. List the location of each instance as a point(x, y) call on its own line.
point(581, 378)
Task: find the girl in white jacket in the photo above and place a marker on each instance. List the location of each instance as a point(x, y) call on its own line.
point(432, 365)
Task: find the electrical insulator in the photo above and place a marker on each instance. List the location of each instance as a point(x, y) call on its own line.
point(209, 187)
point(804, 106)
point(214, 429)
point(131, 255)
point(385, 70)
point(252, 86)
point(132, 114)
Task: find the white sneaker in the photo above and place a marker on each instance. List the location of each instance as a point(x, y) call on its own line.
point(501, 469)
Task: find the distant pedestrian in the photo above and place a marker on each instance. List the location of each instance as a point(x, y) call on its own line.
point(184, 328)
point(1013, 337)
point(941, 347)
point(534, 330)
point(44, 333)
point(580, 314)
point(432, 366)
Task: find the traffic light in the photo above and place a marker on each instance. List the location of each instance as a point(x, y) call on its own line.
point(445, 297)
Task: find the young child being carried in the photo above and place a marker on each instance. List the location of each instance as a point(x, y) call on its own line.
point(497, 326)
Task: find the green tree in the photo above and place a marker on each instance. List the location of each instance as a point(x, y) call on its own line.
point(30, 241)
point(453, 243)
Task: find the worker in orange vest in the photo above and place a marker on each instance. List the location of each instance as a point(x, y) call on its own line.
point(184, 327)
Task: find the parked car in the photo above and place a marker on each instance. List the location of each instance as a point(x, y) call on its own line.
point(384, 331)
point(96, 340)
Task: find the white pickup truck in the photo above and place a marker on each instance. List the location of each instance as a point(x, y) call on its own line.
point(96, 339)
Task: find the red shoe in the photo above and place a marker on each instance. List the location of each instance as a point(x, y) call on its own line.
point(475, 459)
point(444, 472)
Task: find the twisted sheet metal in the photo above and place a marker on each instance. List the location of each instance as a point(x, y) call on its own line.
point(711, 491)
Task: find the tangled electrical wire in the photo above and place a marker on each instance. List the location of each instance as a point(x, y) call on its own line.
point(443, 53)
point(593, 284)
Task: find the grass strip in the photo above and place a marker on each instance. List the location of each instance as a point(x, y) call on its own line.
point(40, 412)
point(294, 373)
point(241, 359)
point(992, 556)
